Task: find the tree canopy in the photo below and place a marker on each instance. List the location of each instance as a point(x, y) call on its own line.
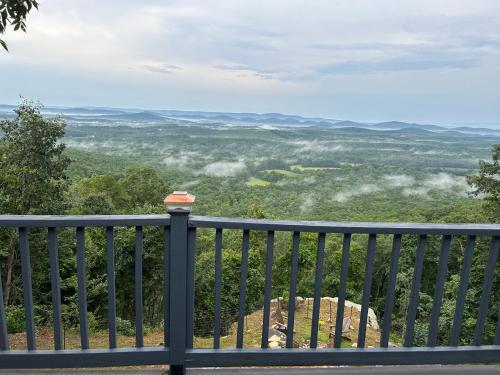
point(487, 182)
point(14, 13)
point(32, 163)
point(35, 178)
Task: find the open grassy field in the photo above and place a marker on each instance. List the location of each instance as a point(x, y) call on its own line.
point(252, 332)
point(301, 168)
point(283, 172)
point(253, 181)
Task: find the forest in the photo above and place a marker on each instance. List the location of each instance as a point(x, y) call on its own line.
point(81, 165)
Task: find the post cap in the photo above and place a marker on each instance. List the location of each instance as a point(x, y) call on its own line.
point(179, 201)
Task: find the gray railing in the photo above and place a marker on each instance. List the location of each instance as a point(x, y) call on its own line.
point(179, 236)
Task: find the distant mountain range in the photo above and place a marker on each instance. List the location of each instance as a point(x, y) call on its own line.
point(106, 114)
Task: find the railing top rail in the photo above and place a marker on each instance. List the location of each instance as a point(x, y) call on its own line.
point(33, 221)
point(344, 227)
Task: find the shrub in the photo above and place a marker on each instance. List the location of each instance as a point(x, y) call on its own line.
point(15, 319)
point(204, 289)
point(93, 324)
point(124, 327)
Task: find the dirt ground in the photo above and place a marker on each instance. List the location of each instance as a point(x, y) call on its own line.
point(252, 335)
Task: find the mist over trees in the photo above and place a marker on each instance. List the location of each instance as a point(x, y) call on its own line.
point(38, 177)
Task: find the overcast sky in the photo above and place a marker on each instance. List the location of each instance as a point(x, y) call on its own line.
point(433, 61)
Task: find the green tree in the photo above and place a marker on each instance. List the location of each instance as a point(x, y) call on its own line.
point(487, 182)
point(32, 172)
point(144, 186)
point(140, 190)
point(204, 289)
point(99, 194)
point(14, 12)
point(32, 163)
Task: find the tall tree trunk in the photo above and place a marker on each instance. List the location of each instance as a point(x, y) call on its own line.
point(10, 266)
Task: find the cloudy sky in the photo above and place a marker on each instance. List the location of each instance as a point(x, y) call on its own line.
point(434, 61)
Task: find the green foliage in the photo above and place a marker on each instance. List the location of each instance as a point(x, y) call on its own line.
point(204, 284)
point(99, 194)
point(32, 181)
point(32, 163)
point(143, 186)
point(92, 322)
point(487, 182)
point(124, 327)
point(104, 194)
point(307, 256)
point(14, 12)
point(15, 318)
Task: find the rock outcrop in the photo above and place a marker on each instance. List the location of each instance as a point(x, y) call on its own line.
point(372, 318)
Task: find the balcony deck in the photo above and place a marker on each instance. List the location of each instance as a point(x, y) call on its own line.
point(177, 237)
point(379, 370)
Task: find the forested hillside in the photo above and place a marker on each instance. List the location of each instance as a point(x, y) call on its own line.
point(115, 165)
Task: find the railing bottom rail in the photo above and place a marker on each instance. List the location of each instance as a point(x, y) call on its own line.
point(342, 357)
point(33, 359)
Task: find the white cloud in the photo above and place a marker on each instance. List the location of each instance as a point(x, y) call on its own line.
point(364, 189)
point(359, 60)
point(409, 185)
point(182, 159)
point(439, 181)
point(224, 168)
point(188, 185)
point(307, 203)
point(318, 146)
point(309, 180)
point(269, 127)
point(399, 180)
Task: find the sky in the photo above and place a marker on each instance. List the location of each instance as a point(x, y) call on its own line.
point(426, 61)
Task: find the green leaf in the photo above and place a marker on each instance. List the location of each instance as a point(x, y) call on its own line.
point(4, 45)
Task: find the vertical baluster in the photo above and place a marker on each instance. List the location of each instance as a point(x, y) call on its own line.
point(497, 332)
point(293, 288)
point(391, 288)
point(56, 287)
point(485, 296)
point(190, 287)
point(82, 288)
point(462, 291)
point(344, 268)
point(415, 290)
point(166, 286)
point(267, 289)
point(243, 289)
point(139, 341)
point(179, 249)
point(318, 280)
point(217, 287)
point(370, 257)
point(4, 338)
point(438, 294)
point(111, 286)
point(27, 293)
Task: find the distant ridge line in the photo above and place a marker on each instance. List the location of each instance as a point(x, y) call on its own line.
point(107, 114)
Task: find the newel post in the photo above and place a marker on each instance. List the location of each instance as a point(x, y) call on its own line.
point(179, 205)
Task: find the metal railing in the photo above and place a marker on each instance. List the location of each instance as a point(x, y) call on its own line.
point(179, 236)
